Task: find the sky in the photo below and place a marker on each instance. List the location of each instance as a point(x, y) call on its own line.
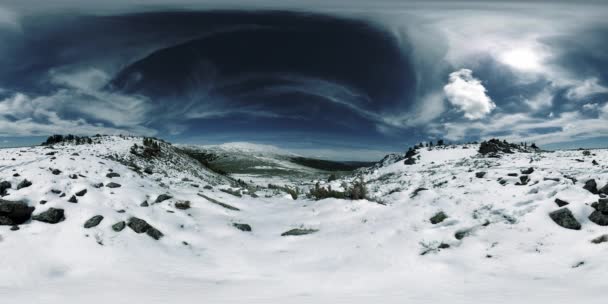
point(332, 79)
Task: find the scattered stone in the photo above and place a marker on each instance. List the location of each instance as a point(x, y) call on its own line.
point(599, 218)
point(62, 195)
point(409, 161)
point(480, 174)
point(602, 205)
point(3, 187)
point(438, 218)
point(242, 227)
point(14, 228)
point(595, 163)
point(502, 181)
point(42, 202)
point(144, 204)
point(112, 174)
point(113, 185)
point(56, 171)
point(138, 225)
point(154, 233)
point(121, 211)
point(565, 218)
point(14, 212)
point(600, 239)
point(603, 190)
point(55, 191)
point(298, 231)
point(73, 199)
point(16, 175)
point(51, 216)
point(98, 185)
point(163, 197)
point(512, 174)
point(553, 179)
point(527, 171)
point(182, 205)
point(591, 186)
point(148, 170)
point(73, 176)
point(523, 180)
point(418, 190)
point(207, 187)
point(461, 234)
point(560, 203)
point(443, 246)
point(81, 192)
point(24, 184)
point(118, 227)
point(94, 221)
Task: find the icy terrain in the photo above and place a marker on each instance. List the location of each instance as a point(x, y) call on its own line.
point(455, 226)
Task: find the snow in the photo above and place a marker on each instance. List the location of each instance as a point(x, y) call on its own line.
point(364, 251)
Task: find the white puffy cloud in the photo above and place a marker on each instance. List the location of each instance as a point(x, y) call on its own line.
point(468, 94)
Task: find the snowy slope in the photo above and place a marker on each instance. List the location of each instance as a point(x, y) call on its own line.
point(363, 251)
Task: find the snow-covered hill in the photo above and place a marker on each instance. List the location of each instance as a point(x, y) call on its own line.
point(454, 226)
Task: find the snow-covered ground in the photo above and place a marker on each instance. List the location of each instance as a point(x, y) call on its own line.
point(382, 250)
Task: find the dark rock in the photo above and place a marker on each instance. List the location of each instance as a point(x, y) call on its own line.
point(480, 174)
point(560, 203)
point(502, 181)
point(113, 185)
point(24, 184)
point(599, 218)
point(242, 227)
point(55, 191)
point(154, 233)
point(94, 221)
point(207, 187)
point(600, 239)
point(298, 231)
point(418, 190)
point(603, 190)
point(98, 185)
point(148, 170)
point(224, 205)
point(565, 218)
point(14, 212)
point(42, 202)
point(14, 228)
point(595, 163)
point(118, 227)
point(523, 180)
point(73, 176)
point(51, 216)
point(62, 195)
point(16, 175)
point(3, 187)
point(438, 218)
point(81, 192)
point(409, 161)
point(56, 171)
point(182, 205)
point(73, 199)
point(138, 225)
point(112, 174)
point(443, 246)
point(512, 174)
point(144, 204)
point(121, 211)
point(602, 205)
point(591, 186)
point(527, 171)
point(163, 197)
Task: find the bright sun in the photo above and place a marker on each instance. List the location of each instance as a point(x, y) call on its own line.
point(522, 59)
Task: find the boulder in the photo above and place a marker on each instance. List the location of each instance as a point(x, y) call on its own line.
point(599, 218)
point(561, 203)
point(242, 227)
point(603, 190)
point(602, 205)
point(118, 227)
point(3, 187)
point(138, 225)
point(81, 192)
point(113, 185)
point(565, 218)
point(182, 205)
point(14, 212)
point(73, 199)
point(94, 221)
point(163, 197)
point(154, 233)
point(51, 216)
point(591, 186)
point(527, 171)
point(24, 184)
point(438, 218)
point(298, 231)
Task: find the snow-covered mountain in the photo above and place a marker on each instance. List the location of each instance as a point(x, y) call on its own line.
point(127, 219)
